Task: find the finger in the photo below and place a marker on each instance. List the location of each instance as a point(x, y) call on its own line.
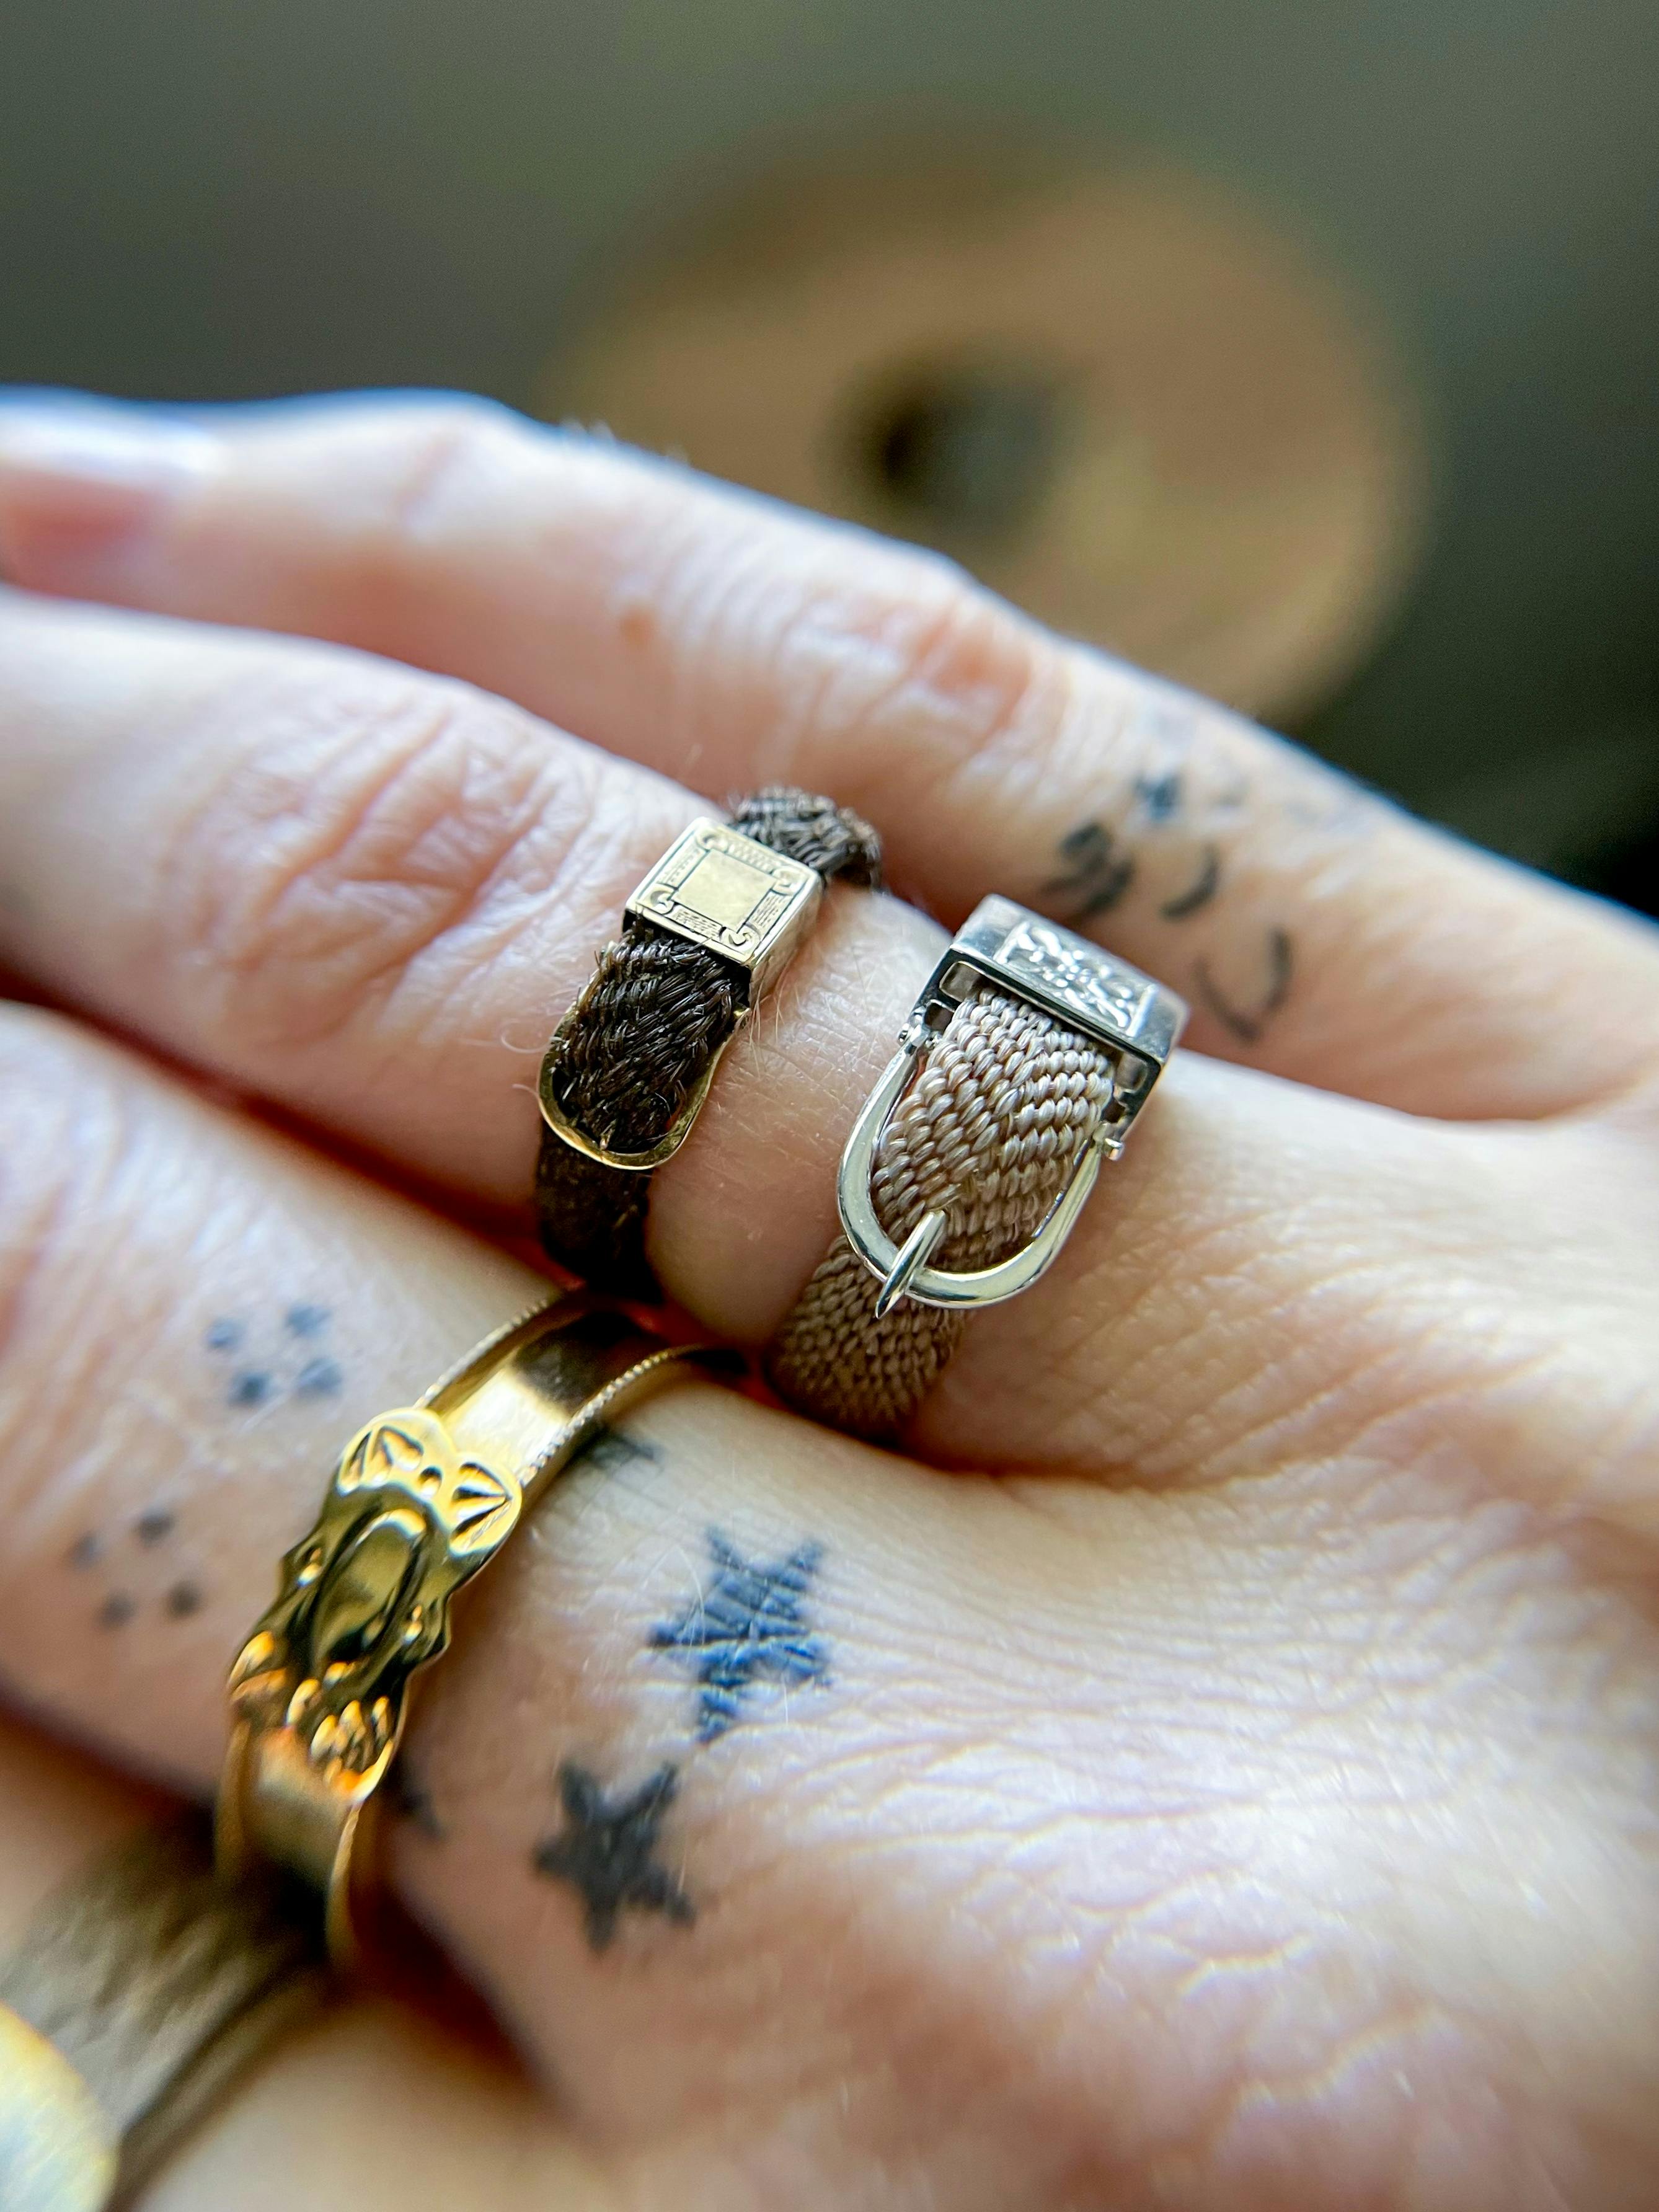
point(369, 895)
point(367, 2105)
point(1317, 932)
point(376, 2109)
point(1057, 1787)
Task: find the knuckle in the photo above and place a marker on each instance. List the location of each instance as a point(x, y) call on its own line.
point(911, 660)
point(377, 840)
point(442, 448)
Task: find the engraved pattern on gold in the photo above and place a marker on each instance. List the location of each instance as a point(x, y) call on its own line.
point(725, 891)
point(364, 1598)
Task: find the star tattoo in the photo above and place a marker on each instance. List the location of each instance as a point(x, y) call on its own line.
point(748, 1624)
point(606, 1849)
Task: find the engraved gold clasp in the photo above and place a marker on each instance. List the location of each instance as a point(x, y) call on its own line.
point(422, 1500)
point(1134, 1020)
point(733, 896)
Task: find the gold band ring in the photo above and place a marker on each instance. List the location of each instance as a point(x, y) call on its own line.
point(422, 1498)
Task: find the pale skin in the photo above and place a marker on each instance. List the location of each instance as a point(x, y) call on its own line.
point(1231, 1784)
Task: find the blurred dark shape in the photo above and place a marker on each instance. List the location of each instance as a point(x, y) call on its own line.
point(1140, 408)
point(1627, 870)
point(964, 451)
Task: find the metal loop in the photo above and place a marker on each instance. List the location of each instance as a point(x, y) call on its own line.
point(904, 1274)
point(1134, 1021)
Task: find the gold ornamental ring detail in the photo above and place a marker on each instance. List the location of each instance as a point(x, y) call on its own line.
point(423, 1497)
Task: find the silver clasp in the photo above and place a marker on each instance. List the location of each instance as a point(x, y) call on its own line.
point(1136, 1022)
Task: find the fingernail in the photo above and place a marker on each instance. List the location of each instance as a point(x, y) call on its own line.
point(84, 482)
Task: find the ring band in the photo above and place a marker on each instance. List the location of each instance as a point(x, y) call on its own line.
point(1026, 1059)
point(58, 2152)
point(422, 1498)
point(707, 931)
point(152, 1983)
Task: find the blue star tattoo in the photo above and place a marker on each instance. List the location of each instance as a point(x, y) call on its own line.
point(749, 1625)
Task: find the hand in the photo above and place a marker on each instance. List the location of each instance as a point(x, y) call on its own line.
point(1234, 1786)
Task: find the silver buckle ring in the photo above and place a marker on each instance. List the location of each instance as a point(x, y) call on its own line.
point(1133, 1019)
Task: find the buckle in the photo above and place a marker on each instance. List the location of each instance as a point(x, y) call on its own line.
point(1134, 1021)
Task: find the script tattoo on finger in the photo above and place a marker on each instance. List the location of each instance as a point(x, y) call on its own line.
point(1159, 797)
point(1097, 872)
point(1102, 865)
point(297, 1367)
point(1248, 1023)
point(606, 1850)
point(1198, 893)
point(748, 1625)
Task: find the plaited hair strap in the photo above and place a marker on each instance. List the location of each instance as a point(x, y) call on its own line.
point(989, 1133)
point(1020, 1071)
point(631, 1059)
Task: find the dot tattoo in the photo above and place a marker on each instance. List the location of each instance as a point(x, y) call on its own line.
point(318, 1378)
point(154, 1525)
point(86, 1551)
point(182, 1600)
point(606, 1850)
point(749, 1625)
point(117, 1610)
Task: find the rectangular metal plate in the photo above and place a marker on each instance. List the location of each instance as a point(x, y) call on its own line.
point(723, 890)
point(1071, 979)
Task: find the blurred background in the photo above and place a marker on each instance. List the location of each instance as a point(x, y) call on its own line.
point(1308, 349)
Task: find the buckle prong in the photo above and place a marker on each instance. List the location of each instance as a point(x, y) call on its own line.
point(918, 1249)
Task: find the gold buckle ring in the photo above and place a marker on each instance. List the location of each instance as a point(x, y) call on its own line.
point(423, 1497)
point(731, 895)
point(1137, 1022)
